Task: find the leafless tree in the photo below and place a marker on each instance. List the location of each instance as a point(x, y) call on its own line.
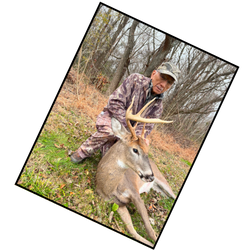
point(125, 59)
point(117, 46)
point(193, 101)
point(158, 56)
point(109, 45)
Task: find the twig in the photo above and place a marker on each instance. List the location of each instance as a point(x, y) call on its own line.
point(111, 216)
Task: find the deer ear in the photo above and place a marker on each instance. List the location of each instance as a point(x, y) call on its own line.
point(118, 128)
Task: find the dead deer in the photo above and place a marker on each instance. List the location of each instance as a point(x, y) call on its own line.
point(125, 171)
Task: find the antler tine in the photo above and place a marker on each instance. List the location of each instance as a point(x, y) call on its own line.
point(140, 112)
point(138, 118)
point(128, 114)
point(143, 131)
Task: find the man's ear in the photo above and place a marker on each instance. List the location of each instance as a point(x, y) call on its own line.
point(153, 73)
point(118, 129)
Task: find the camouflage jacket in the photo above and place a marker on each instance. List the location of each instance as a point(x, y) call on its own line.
point(135, 85)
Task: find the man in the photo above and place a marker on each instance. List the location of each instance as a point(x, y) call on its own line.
point(144, 89)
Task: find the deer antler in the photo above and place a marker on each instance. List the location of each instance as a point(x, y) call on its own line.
point(138, 118)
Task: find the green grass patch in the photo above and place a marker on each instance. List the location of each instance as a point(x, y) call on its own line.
point(50, 173)
point(187, 162)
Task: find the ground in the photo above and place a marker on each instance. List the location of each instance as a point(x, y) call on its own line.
point(50, 173)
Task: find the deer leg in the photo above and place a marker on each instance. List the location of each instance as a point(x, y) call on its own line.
point(125, 216)
point(160, 183)
point(139, 203)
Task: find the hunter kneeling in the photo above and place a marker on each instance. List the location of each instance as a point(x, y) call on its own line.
point(144, 90)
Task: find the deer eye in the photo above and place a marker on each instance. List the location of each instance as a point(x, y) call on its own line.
point(135, 151)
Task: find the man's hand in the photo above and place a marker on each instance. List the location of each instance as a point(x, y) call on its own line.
point(147, 141)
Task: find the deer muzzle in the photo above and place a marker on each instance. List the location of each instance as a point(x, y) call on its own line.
point(147, 178)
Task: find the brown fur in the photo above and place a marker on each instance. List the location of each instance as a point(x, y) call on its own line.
point(141, 143)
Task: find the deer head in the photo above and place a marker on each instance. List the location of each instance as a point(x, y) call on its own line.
point(134, 148)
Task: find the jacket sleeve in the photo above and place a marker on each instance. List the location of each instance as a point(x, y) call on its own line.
point(118, 99)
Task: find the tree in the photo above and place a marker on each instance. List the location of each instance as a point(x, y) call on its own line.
point(99, 37)
point(113, 48)
point(158, 56)
point(194, 100)
point(107, 47)
point(124, 60)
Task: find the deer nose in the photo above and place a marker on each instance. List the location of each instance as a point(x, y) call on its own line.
point(150, 178)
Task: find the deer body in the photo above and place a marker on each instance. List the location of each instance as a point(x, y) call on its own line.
point(114, 179)
point(125, 171)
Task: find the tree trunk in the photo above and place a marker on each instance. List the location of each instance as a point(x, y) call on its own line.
point(109, 45)
point(159, 56)
point(124, 61)
point(99, 37)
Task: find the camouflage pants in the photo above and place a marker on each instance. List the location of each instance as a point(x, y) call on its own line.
point(103, 139)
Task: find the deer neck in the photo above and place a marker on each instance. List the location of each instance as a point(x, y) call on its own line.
point(112, 167)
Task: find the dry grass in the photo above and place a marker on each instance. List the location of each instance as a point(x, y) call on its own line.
point(167, 142)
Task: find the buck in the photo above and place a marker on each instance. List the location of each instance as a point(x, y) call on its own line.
point(125, 171)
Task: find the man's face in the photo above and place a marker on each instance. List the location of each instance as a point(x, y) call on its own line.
point(160, 84)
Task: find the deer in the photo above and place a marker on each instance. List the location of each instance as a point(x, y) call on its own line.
point(126, 171)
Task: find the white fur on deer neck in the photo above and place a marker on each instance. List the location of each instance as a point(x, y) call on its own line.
point(121, 164)
point(146, 187)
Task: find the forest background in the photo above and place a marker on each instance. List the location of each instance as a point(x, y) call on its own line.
point(117, 46)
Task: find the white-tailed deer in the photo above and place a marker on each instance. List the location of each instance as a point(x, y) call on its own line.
point(125, 171)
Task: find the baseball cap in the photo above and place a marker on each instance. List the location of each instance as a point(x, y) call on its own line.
point(168, 68)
